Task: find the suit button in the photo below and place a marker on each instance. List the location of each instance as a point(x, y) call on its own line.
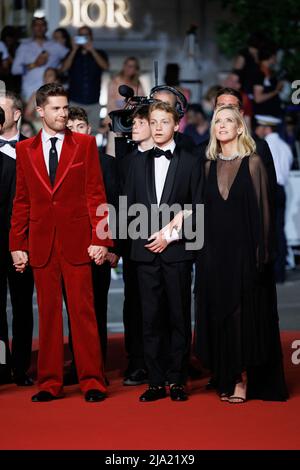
point(54, 203)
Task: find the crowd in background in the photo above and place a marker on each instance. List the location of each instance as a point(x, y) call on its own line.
point(78, 65)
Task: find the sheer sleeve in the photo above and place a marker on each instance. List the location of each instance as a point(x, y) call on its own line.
point(265, 233)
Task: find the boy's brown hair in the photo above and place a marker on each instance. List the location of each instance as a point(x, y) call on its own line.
point(161, 106)
point(76, 113)
point(141, 112)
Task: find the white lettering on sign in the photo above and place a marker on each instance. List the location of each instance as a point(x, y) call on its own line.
point(110, 13)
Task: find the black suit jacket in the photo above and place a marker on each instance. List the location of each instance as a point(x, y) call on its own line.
point(112, 187)
point(7, 194)
point(181, 187)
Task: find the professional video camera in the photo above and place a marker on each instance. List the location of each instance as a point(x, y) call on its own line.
point(122, 118)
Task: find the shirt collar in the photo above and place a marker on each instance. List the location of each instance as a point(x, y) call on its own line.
point(15, 137)
point(171, 146)
point(46, 137)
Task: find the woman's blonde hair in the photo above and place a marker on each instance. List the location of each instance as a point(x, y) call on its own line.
point(246, 145)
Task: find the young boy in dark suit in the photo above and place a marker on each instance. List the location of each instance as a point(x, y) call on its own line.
point(160, 178)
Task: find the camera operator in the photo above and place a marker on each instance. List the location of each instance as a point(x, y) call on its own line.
point(86, 65)
point(167, 95)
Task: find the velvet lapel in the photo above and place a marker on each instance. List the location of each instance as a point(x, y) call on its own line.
point(68, 154)
point(35, 151)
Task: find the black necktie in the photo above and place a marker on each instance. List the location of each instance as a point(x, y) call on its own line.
point(157, 153)
point(12, 143)
point(53, 160)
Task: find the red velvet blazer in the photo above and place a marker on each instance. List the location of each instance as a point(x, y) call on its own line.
point(68, 209)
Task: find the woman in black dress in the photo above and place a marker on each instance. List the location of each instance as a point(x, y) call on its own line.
point(236, 330)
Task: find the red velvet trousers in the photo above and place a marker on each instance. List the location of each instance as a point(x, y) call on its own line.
point(78, 284)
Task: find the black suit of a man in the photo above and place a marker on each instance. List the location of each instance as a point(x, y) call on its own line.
point(101, 275)
point(166, 276)
point(132, 309)
point(20, 285)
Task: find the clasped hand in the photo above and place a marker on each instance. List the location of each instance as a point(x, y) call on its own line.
point(98, 254)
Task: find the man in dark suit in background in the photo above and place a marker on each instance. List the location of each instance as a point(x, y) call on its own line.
point(20, 285)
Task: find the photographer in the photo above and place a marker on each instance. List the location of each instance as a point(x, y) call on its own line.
point(33, 57)
point(266, 86)
point(4, 59)
point(85, 65)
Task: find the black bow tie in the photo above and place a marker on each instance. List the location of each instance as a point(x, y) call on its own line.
point(12, 143)
point(157, 153)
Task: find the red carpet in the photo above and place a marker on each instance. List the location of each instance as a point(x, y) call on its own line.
point(121, 422)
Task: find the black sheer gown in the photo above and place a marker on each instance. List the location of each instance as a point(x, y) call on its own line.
point(237, 326)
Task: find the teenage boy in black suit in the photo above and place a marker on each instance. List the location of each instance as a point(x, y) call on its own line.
point(20, 285)
point(160, 178)
point(78, 122)
point(136, 373)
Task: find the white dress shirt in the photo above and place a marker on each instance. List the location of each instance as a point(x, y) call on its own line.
point(8, 149)
point(47, 145)
point(282, 156)
point(26, 54)
point(161, 167)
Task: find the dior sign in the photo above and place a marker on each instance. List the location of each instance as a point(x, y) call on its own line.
point(96, 14)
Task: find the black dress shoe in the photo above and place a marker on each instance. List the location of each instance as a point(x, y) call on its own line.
point(23, 380)
point(93, 396)
point(153, 394)
point(138, 377)
point(44, 396)
point(177, 393)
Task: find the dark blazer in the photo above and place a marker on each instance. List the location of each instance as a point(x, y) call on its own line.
point(110, 178)
point(7, 194)
point(112, 188)
point(181, 187)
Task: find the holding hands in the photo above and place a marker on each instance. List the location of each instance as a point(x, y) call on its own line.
point(20, 260)
point(98, 254)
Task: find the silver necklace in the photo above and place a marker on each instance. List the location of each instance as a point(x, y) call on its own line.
point(233, 157)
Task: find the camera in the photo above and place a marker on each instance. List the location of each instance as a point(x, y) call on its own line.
point(81, 40)
point(121, 119)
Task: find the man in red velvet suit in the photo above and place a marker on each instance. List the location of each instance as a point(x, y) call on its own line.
point(55, 229)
